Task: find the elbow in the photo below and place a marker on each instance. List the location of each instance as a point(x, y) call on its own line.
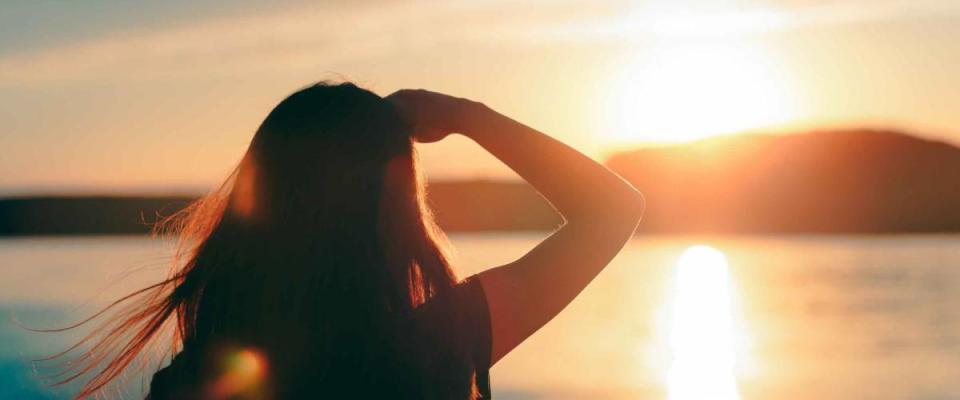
point(622, 211)
point(631, 210)
point(619, 209)
point(627, 204)
point(635, 205)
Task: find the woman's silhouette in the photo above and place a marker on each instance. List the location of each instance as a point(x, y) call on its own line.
point(316, 270)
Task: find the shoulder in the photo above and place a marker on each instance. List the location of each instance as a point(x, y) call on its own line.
point(452, 336)
point(463, 309)
point(178, 380)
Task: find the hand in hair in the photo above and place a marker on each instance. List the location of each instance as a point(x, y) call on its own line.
point(433, 115)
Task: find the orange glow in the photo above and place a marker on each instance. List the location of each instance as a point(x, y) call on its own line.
point(245, 371)
point(681, 91)
point(244, 191)
point(153, 110)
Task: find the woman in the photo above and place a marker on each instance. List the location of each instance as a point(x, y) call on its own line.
point(316, 271)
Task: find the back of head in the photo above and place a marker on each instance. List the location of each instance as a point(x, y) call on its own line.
point(319, 158)
point(307, 256)
point(324, 244)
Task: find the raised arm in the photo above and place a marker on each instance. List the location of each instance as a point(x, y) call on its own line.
point(600, 212)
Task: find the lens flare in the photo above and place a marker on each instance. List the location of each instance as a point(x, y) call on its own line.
point(244, 191)
point(244, 372)
point(701, 333)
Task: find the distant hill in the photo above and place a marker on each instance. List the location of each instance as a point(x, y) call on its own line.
point(856, 181)
point(459, 206)
point(86, 215)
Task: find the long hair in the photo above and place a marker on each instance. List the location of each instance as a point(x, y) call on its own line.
point(316, 244)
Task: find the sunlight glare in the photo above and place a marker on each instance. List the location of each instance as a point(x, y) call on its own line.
point(678, 92)
point(676, 19)
point(701, 332)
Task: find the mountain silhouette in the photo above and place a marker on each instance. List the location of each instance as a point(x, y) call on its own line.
point(853, 181)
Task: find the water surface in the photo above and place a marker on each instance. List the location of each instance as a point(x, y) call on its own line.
point(828, 317)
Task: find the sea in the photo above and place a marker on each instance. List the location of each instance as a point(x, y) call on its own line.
point(672, 317)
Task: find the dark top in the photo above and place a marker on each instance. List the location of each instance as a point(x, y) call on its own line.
point(443, 352)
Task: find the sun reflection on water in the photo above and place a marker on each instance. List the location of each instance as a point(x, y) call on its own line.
point(702, 328)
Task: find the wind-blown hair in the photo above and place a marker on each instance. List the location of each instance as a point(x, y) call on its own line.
point(315, 245)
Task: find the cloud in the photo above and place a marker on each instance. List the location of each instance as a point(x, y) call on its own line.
point(697, 20)
point(316, 36)
point(324, 36)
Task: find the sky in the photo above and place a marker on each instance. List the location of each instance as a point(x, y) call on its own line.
point(110, 96)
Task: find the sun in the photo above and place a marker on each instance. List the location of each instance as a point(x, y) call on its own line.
point(679, 91)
